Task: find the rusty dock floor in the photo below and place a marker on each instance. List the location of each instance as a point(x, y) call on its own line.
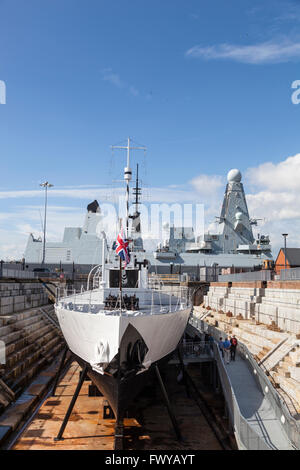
point(87, 430)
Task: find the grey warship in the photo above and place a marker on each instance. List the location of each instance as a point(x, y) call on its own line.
point(233, 245)
point(183, 252)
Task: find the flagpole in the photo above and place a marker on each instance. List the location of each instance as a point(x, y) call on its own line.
point(120, 284)
point(120, 276)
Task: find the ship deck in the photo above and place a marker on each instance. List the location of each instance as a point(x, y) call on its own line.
point(99, 309)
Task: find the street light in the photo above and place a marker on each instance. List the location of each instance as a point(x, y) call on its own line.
point(45, 185)
point(284, 236)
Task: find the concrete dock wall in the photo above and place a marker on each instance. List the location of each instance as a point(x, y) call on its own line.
point(18, 296)
point(274, 302)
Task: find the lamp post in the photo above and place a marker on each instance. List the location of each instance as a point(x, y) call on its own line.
point(284, 236)
point(45, 185)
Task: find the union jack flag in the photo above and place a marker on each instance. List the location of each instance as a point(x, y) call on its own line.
point(122, 248)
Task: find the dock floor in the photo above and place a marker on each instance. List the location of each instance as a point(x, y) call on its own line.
point(87, 430)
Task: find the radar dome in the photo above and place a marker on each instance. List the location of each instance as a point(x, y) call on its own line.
point(234, 176)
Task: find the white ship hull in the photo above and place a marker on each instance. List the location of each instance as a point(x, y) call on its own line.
point(96, 338)
point(119, 349)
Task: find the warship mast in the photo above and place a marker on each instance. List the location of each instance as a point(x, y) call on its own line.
point(127, 173)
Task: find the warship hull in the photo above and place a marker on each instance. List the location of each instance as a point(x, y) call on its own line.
point(120, 352)
point(122, 394)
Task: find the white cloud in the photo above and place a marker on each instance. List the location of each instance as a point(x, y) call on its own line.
point(156, 194)
point(17, 222)
point(207, 184)
point(16, 226)
point(74, 193)
point(108, 75)
point(263, 53)
point(133, 91)
point(54, 208)
point(274, 205)
point(275, 197)
point(281, 176)
point(272, 192)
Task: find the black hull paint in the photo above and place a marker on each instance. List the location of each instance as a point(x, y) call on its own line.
point(121, 394)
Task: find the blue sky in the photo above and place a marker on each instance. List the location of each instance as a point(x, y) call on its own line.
point(205, 85)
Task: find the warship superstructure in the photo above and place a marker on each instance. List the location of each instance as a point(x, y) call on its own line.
point(233, 245)
point(80, 245)
point(183, 252)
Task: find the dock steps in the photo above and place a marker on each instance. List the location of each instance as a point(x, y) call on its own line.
point(32, 340)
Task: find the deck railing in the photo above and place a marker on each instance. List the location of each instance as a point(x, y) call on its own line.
point(166, 301)
point(244, 432)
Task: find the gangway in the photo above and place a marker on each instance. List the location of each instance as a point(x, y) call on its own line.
point(255, 407)
point(258, 416)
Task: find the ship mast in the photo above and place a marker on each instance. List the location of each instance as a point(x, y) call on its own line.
point(137, 189)
point(127, 173)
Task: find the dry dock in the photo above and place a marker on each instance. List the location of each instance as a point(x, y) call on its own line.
point(87, 430)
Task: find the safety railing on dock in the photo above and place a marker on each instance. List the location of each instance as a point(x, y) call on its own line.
point(243, 429)
point(193, 348)
point(263, 275)
point(17, 274)
point(292, 274)
point(290, 425)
